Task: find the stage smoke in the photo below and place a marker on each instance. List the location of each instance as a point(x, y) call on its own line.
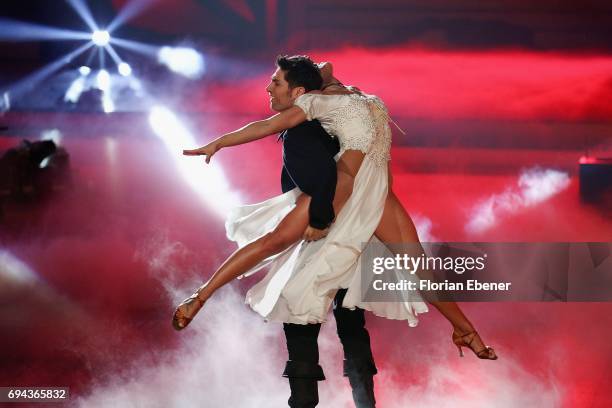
point(533, 187)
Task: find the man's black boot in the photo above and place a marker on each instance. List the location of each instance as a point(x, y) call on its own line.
point(303, 378)
point(361, 377)
point(304, 393)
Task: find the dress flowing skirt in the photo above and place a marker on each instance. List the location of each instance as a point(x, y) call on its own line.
point(302, 281)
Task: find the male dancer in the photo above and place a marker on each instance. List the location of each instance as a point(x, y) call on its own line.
point(308, 163)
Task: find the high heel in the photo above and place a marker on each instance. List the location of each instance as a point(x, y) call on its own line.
point(179, 319)
point(466, 340)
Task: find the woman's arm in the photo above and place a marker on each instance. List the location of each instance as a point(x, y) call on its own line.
point(253, 131)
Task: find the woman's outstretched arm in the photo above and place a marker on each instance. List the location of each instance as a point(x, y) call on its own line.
point(253, 131)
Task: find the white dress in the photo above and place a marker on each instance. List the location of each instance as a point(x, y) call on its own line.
point(302, 280)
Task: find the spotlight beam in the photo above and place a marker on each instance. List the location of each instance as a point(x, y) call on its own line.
point(141, 48)
point(208, 181)
point(83, 11)
point(101, 57)
point(14, 30)
point(129, 11)
point(15, 270)
point(111, 51)
point(34, 78)
point(90, 57)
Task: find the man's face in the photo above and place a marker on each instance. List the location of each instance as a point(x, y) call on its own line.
point(281, 96)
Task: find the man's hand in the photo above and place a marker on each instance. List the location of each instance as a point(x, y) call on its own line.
point(314, 234)
point(207, 151)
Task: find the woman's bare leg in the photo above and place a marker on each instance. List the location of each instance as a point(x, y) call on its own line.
point(288, 232)
point(396, 227)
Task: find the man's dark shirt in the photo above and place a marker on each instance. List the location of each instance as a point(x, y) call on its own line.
point(308, 163)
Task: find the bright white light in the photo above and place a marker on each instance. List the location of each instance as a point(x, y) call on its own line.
point(100, 38)
point(207, 180)
point(124, 69)
point(103, 80)
point(184, 61)
point(108, 106)
point(75, 90)
point(84, 70)
point(52, 134)
point(12, 269)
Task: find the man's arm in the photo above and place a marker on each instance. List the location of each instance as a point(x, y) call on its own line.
point(321, 209)
point(313, 169)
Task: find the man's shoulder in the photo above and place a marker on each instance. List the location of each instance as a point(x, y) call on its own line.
point(308, 129)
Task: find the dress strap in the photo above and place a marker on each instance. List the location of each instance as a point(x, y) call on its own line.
point(396, 125)
point(382, 107)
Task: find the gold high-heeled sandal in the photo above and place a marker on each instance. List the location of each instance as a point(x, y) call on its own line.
point(466, 340)
point(179, 320)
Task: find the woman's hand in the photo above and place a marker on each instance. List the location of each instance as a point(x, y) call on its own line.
point(209, 150)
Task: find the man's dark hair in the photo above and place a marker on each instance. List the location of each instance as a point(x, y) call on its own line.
point(300, 71)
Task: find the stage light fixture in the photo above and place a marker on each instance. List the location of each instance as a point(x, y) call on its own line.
point(182, 60)
point(103, 80)
point(185, 61)
point(124, 69)
point(100, 38)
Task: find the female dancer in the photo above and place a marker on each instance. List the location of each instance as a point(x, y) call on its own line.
point(301, 283)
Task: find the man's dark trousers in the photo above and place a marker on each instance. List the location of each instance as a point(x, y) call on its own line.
point(303, 369)
point(308, 162)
